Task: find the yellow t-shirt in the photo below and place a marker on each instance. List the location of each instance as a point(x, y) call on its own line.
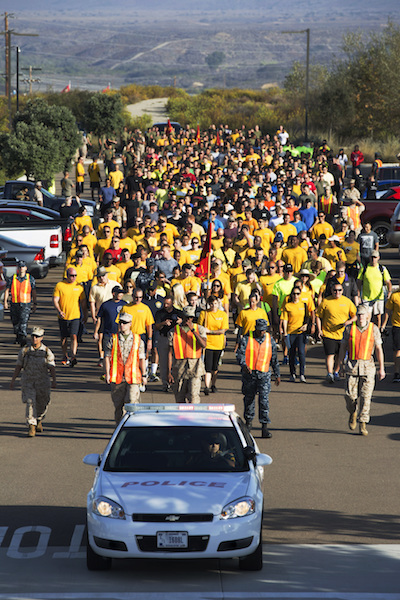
point(90, 241)
point(116, 177)
point(80, 223)
point(333, 313)
point(334, 255)
point(286, 230)
point(214, 321)
point(319, 228)
point(84, 272)
point(295, 257)
point(111, 224)
point(393, 304)
point(267, 237)
point(243, 291)
point(101, 246)
point(141, 316)
point(129, 244)
point(351, 251)
point(226, 282)
point(295, 314)
point(123, 267)
point(69, 295)
point(267, 282)
point(193, 256)
point(247, 318)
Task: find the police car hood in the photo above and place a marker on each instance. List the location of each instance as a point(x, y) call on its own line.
point(174, 492)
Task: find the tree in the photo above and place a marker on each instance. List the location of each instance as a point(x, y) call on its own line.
point(215, 59)
point(43, 140)
point(103, 114)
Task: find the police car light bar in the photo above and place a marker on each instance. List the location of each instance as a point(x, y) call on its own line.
point(135, 408)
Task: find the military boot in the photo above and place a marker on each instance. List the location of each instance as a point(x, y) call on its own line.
point(363, 429)
point(249, 424)
point(31, 431)
point(265, 432)
point(39, 427)
point(353, 421)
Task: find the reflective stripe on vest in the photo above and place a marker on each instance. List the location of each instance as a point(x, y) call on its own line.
point(258, 356)
point(326, 204)
point(185, 344)
point(361, 343)
point(21, 290)
point(131, 368)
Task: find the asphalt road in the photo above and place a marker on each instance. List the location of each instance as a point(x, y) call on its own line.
point(326, 486)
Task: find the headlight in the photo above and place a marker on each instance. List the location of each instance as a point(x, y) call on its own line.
point(239, 508)
point(107, 508)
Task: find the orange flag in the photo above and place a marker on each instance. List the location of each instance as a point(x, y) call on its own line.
point(203, 268)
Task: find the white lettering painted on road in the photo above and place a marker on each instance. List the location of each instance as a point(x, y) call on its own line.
point(44, 536)
point(74, 547)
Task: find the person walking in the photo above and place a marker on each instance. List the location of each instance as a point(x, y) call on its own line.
point(20, 298)
point(256, 354)
point(68, 299)
point(295, 319)
point(360, 341)
point(165, 321)
point(36, 361)
point(185, 363)
point(374, 284)
point(216, 324)
point(125, 366)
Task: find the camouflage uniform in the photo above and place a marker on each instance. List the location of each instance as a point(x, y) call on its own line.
point(35, 381)
point(20, 311)
point(257, 382)
point(122, 393)
point(360, 378)
point(187, 374)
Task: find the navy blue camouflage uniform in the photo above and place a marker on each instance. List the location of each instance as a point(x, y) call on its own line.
point(257, 382)
point(20, 311)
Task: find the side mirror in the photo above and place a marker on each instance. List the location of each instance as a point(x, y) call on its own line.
point(249, 452)
point(262, 460)
point(92, 459)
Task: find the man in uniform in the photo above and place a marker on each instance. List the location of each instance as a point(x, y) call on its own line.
point(257, 352)
point(185, 363)
point(36, 361)
point(21, 291)
point(125, 365)
point(361, 339)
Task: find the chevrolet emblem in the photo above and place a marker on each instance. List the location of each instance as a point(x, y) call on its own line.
point(172, 518)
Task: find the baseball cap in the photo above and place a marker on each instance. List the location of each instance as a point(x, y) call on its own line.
point(261, 325)
point(189, 311)
point(288, 269)
point(117, 289)
point(278, 237)
point(375, 254)
point(37, 331)
point(125, 318)
point(21, 263)
point(334, 238)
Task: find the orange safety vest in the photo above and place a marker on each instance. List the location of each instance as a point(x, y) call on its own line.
point(185, 343)
point(361, 343)
point(131, 368)
point(352, 212)
point(378, 163)
point(258, 356)
point(21, 290)
point(326, 204)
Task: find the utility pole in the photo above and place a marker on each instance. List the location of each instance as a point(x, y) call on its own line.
point(31, 79)
point(307, 32)
point(8, 33)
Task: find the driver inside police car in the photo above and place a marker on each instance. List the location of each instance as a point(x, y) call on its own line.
point(213, 453)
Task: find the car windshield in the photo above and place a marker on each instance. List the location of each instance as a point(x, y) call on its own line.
point(177, 450)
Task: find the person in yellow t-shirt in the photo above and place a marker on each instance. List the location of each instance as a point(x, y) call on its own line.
point(124, 264)
point(321, 227)
point(294, 321)
point(83, 270)
point(268, 281)
point(103, 243)
point(294, 255)
point(352, 251)
point(115, 177)
point(189, 283)
point(333, 315)
point(266, 235)
point(82, 220)
point(246, 320)
point(194, 253)
point(333, 252)
point(216, 323)
point(68, 299)
point(108, 222)
point(393, 311)
point(286, 228)
point(89, 239)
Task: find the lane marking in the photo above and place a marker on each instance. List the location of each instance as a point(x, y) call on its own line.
point(203, 596)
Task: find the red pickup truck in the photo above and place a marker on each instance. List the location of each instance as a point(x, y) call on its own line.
point(379, 212)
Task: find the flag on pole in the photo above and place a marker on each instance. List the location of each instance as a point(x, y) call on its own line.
point(203, 268)
point(218, 139)
point(106, 89)
point(198, 134)
point(67, 88)
point(169, 127)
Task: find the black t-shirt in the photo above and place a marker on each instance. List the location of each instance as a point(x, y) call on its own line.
point(162, 315)
point(68, 211)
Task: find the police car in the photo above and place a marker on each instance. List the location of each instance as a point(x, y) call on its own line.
point(177, 481)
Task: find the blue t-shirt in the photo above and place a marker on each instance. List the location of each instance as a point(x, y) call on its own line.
point(107, 194)
point(108, 312)
point(300, 226)
point(308, 216)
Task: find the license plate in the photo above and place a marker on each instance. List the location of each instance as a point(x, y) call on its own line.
point(172, 539)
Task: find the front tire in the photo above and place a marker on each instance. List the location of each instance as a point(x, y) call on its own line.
point(382, 228)
point(254, 561)
point(94, 561)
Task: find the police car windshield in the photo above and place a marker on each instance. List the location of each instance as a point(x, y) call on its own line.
point(177, 450)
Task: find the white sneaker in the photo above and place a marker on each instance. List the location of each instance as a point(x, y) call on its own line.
point(293, 378)
point(303, 379)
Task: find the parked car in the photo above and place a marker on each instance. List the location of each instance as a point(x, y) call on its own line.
point(3, 283)
point(12, 188)
point(379, 213)
point(32, 255)
point(384, 186)
point(177, 481)
point(394, 233)
point(389, 172)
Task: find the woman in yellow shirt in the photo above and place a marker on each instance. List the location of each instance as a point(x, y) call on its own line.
point(216, 323)
point(294, 323)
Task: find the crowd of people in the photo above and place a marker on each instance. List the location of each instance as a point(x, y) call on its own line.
point(288, 259)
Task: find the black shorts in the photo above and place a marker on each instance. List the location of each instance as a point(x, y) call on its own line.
point(396, 338)
point(331, 346)
point(68, 328)
point(95, 185)
point(211, 360)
